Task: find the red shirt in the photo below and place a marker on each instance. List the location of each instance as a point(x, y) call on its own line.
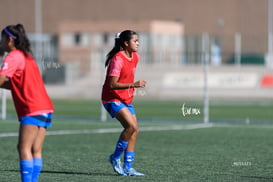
point(27, 87)
point(123, 68)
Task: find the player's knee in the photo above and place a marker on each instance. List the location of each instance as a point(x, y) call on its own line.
point(23, 152)
point(133, 130)
point(136, 131)
point(36, 151)
point(21, 149)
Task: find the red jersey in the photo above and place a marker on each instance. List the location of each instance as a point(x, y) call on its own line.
point(27, 87)
point(123, 68)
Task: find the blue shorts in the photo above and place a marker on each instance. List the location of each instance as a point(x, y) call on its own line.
point(42, 120)
point(114, 107)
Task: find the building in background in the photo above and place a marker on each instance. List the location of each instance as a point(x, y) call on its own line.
point(87, 41)
point(220, 19)
point(74, 37)
point(80, 31)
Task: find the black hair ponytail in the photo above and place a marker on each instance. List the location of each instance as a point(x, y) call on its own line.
point(18, 33)
point(115, 50)
point(119, 44)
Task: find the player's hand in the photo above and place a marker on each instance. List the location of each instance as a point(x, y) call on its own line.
point(140, 84)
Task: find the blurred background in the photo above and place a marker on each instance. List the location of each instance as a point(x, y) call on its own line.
point(189, 50)
point(206, 62)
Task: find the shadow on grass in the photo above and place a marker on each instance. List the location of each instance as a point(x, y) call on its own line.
point(69, 173)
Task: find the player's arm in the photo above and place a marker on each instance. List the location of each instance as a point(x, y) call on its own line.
point(4, 82)
point(115, 85)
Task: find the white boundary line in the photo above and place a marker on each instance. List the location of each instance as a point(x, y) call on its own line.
point(117, 130)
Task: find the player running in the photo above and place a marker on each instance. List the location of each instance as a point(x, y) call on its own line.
point(117, 97)
point(21, 75)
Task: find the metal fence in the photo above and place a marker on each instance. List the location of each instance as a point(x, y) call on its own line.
point(233, 49)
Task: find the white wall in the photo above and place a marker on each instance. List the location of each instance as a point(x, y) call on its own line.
point(177, 82)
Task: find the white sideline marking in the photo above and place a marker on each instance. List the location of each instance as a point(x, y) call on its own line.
point(117, 130)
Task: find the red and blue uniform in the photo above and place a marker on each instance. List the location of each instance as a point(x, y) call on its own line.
point(32, 103)
point(123, 68)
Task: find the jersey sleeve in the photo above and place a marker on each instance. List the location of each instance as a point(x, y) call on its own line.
point(115, 66)
point(11, 64)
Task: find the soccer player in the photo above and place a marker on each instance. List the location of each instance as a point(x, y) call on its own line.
point(21, 75)
point(117, 97)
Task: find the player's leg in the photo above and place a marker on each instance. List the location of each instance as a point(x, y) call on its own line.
point(130, 126)
point(123, 115)
point(129, 155)
point(27, 136)
point(37, 153)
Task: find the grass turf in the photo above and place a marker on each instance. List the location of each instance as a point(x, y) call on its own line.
point(234, 153)
point(156, 110)
point(221, 153)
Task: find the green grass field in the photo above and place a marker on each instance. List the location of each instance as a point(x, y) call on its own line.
point(229, 151)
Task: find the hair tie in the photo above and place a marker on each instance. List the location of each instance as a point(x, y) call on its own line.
point(9, 33)
point(117, 35)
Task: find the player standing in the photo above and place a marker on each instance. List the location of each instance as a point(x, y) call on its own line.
point(117, 97)
point(21, 75)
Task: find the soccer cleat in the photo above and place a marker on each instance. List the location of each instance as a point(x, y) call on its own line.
point(116, 164)
point(132, 172)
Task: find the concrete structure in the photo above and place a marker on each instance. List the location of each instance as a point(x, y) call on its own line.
point(85, 41)
point(220, 18)
point(170, 82)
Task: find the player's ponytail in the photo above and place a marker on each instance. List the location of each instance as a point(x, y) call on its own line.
point(17, 32)
point(116, 49)
point(120, 38)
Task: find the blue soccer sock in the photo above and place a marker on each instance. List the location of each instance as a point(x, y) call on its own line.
point(129, 158)
point(120, 147)
point(37, 167)
point(26, 168)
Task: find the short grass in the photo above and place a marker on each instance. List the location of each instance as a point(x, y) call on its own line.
point(229, 153)
point(157, 110)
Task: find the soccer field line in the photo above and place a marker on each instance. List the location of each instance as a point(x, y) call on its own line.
point(117, 130)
